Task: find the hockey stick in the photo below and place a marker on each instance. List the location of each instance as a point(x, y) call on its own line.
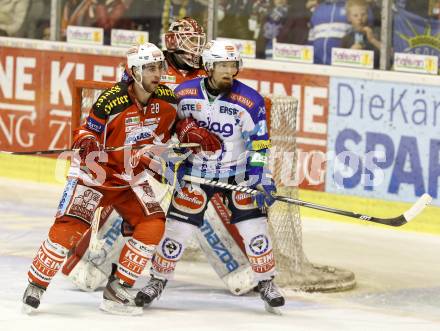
point(400, 220)
point(108, 149)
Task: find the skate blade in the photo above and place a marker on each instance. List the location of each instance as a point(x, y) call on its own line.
point(272, 310)
point(28, 310)
point(120, 309)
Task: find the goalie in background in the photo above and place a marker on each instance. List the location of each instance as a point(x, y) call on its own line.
point(234, 113)
point(137, 113)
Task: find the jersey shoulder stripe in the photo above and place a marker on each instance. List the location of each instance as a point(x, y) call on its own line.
point(112, 101)
point(189, 89)
point(245, 96)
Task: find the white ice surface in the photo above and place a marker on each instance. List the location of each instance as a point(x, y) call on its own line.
point(398, 277)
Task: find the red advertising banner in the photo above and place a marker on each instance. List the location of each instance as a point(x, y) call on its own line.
point(36, 100)
point(36, 94)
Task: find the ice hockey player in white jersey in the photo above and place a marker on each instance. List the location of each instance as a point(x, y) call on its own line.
point(236, 114)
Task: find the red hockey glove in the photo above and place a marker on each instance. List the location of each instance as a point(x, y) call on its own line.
point(86, 145)
point(188, 131)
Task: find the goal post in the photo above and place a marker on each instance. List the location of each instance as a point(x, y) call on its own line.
point(293, 268)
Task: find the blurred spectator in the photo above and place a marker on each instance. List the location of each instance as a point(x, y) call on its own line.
point(37, 19)
point(274, 16)
point(233, 19)
point(328, 26)
point(361, 35)
point(12, 17)
point(106, 14)
point(295, 30)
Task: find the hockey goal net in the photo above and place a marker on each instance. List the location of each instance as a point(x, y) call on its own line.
point(294, 269)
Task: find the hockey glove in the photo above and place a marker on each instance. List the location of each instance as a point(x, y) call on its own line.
point(188, 131)
point(261, 179)
point(86, 145)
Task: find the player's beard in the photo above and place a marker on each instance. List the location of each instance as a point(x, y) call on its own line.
point(223, 86)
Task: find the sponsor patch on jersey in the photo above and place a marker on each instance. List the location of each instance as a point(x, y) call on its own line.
point(261, 144)
point(164, 91)
point(171, 249)
point(167, 79)
point(141, 133)
point(94, 125)
point(106, 95)
point(242, 201)
point(226, 130)
point(130, 128)
point(199, 106)
point(248, 103)
point(83, 203)
point(191, 201)
point(259, 244)
point(149, 121)
point(186, 92)
point(258, 159)
point(112, 98)
point(132, 120)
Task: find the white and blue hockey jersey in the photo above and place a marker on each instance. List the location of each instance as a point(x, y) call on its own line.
point(238, 119)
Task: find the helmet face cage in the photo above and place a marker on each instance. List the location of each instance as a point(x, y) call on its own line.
point(220, 51)
point(186, 35)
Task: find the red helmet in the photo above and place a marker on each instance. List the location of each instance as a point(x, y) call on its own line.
point(186, 35)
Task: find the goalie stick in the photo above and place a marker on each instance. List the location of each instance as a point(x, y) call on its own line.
point(400, 220)
point(108, 149)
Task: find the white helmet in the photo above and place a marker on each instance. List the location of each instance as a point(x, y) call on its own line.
point(146, 53)
point(220, 51)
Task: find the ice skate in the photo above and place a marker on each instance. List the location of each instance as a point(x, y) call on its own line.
point(32, 297)
point(151, 291)
point(271, 296)
point(117, 299)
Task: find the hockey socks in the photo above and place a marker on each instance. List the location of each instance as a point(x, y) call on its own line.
point(46, 263)
point(132, 261)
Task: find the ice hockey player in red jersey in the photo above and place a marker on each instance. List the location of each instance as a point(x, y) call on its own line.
point(184, 41)
point(138, 113)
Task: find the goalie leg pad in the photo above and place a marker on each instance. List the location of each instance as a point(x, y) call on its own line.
point(258, 246)
point(171, 248)
point(46, 263)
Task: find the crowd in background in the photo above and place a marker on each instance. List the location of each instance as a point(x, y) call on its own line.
point(321, 23)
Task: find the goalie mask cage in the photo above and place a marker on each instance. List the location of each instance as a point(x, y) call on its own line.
point(294, 271)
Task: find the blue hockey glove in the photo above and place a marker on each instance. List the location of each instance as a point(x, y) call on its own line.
point(261, 179)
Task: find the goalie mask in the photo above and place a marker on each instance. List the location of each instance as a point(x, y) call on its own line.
point(145, 57)
point(186, 37)
point(220, 51)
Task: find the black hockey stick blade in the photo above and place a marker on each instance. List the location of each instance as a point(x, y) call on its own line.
point(108, 149)
point(400, 220)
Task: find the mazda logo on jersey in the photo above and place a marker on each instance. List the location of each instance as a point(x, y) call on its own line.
point(226, 130)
